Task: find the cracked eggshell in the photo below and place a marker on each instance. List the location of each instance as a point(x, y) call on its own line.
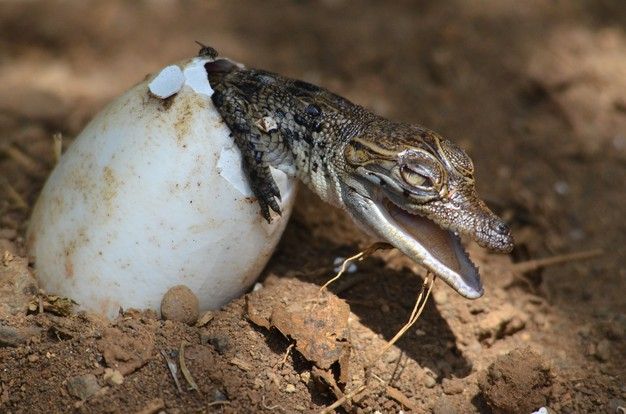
point(152, 195)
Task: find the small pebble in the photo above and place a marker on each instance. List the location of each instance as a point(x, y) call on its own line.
point(441, 297)
point(218, 395)
point(305, 376)
point(429, 382)
point(180, 304)
point(290, 388)
point(338, 262)
point(220, 343)
point(113, 377)
point(83, 386)
point(561, 187)
point(603, 350)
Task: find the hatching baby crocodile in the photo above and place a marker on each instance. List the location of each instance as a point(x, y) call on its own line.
point(402, 183)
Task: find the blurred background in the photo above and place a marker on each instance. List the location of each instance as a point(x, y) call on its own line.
point(535, 91)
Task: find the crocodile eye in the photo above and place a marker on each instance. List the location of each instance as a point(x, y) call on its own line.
point(415, 179)
point(421, 170)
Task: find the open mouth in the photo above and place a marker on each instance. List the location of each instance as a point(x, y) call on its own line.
point(440, 250)
point(421, 239)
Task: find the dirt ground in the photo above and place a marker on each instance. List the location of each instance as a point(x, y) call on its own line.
point(536, 93)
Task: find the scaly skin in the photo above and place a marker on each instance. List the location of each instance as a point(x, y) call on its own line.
point(386, 175)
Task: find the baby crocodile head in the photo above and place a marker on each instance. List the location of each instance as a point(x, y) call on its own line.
point(415, 190)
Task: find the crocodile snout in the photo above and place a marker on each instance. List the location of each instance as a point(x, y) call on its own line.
point(502, 229)
point(498, 236)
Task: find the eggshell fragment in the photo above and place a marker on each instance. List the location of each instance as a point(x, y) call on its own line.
point(196, 77)
point(168, 82)
point(152, 195)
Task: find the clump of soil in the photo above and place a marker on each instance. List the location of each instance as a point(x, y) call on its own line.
point(17, 284)
point(317, 321)
point(180, 304)
point(517, 382)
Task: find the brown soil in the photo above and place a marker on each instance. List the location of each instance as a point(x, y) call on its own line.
point(535, 91)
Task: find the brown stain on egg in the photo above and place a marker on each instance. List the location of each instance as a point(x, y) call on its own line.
point(167, 102)
point(184, 118)
point(109, 189)
point(189, 105)
point(69, 250)
point(111, 183)
point(69, 267)
point(77, 243)
point(164, 104)
point(78, 180)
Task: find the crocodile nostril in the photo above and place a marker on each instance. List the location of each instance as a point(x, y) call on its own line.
point(502, 229)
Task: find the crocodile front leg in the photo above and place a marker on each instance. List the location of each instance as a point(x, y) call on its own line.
point(249, 139)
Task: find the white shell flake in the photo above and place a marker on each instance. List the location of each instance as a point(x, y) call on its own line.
point(267, 124)
point(168, 82)
point(196, 77)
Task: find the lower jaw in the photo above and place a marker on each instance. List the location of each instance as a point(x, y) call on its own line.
point(444, 246)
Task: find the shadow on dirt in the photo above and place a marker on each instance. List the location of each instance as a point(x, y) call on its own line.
point(382, 299)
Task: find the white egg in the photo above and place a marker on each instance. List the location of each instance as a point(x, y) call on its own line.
point(152, 195)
